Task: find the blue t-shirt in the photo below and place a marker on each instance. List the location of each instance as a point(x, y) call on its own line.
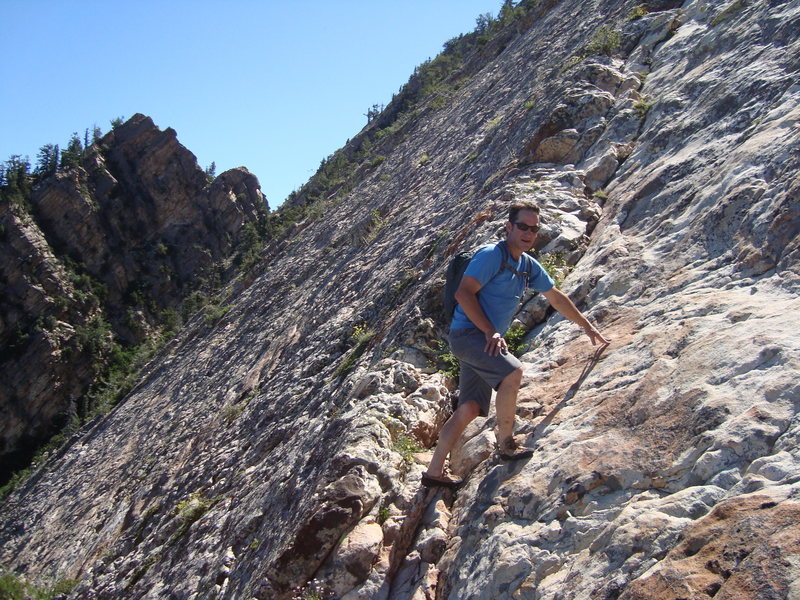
point(501, 291)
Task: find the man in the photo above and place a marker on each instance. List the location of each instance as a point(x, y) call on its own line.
point(488, 297)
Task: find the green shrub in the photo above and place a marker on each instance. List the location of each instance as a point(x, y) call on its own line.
point(449, 364)
point(95, 337)
point(14, 588)
point(514, 338)
point(373, 227)
point(556, 266)
point(642, 107)
point(192, 303)
point(571, 62)
point(438, 103)
point(214, 312)
point(383, 514)
point(637, 12)
point(494, 123)
point(360, 338)
point(191, 510)
point(409, 277)
point(377, 161)
point(605, 40)
point(406, 447)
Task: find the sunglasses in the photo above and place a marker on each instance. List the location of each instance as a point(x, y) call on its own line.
point(524, 227)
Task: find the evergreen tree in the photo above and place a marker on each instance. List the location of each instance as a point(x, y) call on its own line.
point(483, 22)
point(97, 133)
point(71, 157)
point(508, 12)
point(47, 160)
point(211, 170)
point(16, 185)
point(374, 112)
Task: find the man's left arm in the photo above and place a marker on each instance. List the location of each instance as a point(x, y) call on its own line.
point(561, 302)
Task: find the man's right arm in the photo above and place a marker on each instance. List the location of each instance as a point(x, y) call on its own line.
point(467, 298)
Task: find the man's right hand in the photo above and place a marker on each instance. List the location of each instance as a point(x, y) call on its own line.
point(596, 336)
point(495, 344)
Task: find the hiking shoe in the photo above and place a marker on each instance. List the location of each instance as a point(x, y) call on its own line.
point(512, 449)
point(443, 481)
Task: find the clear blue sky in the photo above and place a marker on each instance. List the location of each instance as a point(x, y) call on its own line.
point(272, 86)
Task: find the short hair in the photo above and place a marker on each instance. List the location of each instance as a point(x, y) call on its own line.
point(515, 208)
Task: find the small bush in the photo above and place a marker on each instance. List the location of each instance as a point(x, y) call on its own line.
point(514, 338)
point(494, 123)
point(14, 588)
point(360, 338)
point(604, 41)
point(214, 312)
point(383, 514)
point(406, 447)
point(642, 107)
point(556, 266)
point(449, 364)
point(377, 161)
point(637, 12)
point(571, 62)
point(190, 511)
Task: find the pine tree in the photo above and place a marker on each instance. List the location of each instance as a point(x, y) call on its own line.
point(47, 160)
point(16, 185)
point(71, 157)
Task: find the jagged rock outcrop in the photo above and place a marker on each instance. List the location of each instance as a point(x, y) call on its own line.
point(115, 241)
point(276, 447)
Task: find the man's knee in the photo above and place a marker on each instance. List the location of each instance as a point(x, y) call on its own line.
point(514, 378)
point(470, 410)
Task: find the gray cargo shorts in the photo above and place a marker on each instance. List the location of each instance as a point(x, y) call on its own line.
point(480, 372)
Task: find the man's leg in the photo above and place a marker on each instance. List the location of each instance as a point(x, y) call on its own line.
point(506, 405)
point(450, 434)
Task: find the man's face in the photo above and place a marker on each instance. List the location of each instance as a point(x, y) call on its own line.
point(516, 237)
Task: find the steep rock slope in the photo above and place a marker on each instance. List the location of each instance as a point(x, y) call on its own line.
point(100, 252)
point(274, 447)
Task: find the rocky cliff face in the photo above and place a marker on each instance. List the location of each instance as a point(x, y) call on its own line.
point(282, 444)
point(99, 254)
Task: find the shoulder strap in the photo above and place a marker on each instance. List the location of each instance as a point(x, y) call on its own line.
point(507, 263)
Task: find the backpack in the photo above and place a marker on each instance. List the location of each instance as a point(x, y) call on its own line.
point(455, 271)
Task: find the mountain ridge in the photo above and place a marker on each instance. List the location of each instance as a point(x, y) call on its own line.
point(97, 262)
